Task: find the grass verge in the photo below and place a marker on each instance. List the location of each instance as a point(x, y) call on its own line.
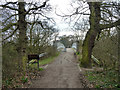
point(44, 61)
point(106, 79)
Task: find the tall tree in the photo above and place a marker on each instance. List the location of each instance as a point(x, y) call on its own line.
point(88, 43)
point(21, 24)
point(95, 29)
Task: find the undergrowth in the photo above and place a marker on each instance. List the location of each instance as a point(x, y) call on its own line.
point(21, 78)
point(107, 79)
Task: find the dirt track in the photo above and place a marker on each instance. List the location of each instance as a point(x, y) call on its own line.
point(62, 73)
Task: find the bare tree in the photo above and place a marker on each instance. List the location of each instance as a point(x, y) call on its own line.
point(96, 11)
point(21, 24)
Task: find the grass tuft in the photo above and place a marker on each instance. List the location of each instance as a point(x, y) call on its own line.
point(41, 69)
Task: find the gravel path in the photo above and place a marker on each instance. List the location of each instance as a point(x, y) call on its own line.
point(62, 73)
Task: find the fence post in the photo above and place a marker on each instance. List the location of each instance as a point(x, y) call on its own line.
point(38, 63)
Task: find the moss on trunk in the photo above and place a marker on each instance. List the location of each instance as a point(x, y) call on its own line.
point(22, 26)
point(88, 43)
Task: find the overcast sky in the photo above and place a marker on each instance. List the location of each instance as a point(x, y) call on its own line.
point(62, 6)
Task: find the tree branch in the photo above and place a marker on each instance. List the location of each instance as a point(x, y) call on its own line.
point(39, 22)
point(105, 20)
point(8, 26)
point(36, 8)
point(109, 25)
point(109, 12)
point(5, 6)
point(10, 3)
point(10, 17)
point(11, 34)
point(71, 14)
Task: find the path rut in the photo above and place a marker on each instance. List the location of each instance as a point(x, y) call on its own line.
point(62, 73)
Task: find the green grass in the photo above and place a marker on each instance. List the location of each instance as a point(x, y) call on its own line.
point(106, 79)
point(44, 61)
point(41, 69)
point(79, 55)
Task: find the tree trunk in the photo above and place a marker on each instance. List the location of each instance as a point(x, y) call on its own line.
point(118, 29)
point(22, 25)
point(88, 43)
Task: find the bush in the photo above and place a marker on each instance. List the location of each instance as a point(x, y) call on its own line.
point(11, 73)
point(106, 50)
point(10, 60)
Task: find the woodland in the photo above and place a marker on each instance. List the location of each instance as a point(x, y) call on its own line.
point(27, 29)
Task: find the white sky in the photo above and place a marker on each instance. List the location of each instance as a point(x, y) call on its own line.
point(62, 6)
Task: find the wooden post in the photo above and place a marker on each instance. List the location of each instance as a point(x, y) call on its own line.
point(38, 63)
